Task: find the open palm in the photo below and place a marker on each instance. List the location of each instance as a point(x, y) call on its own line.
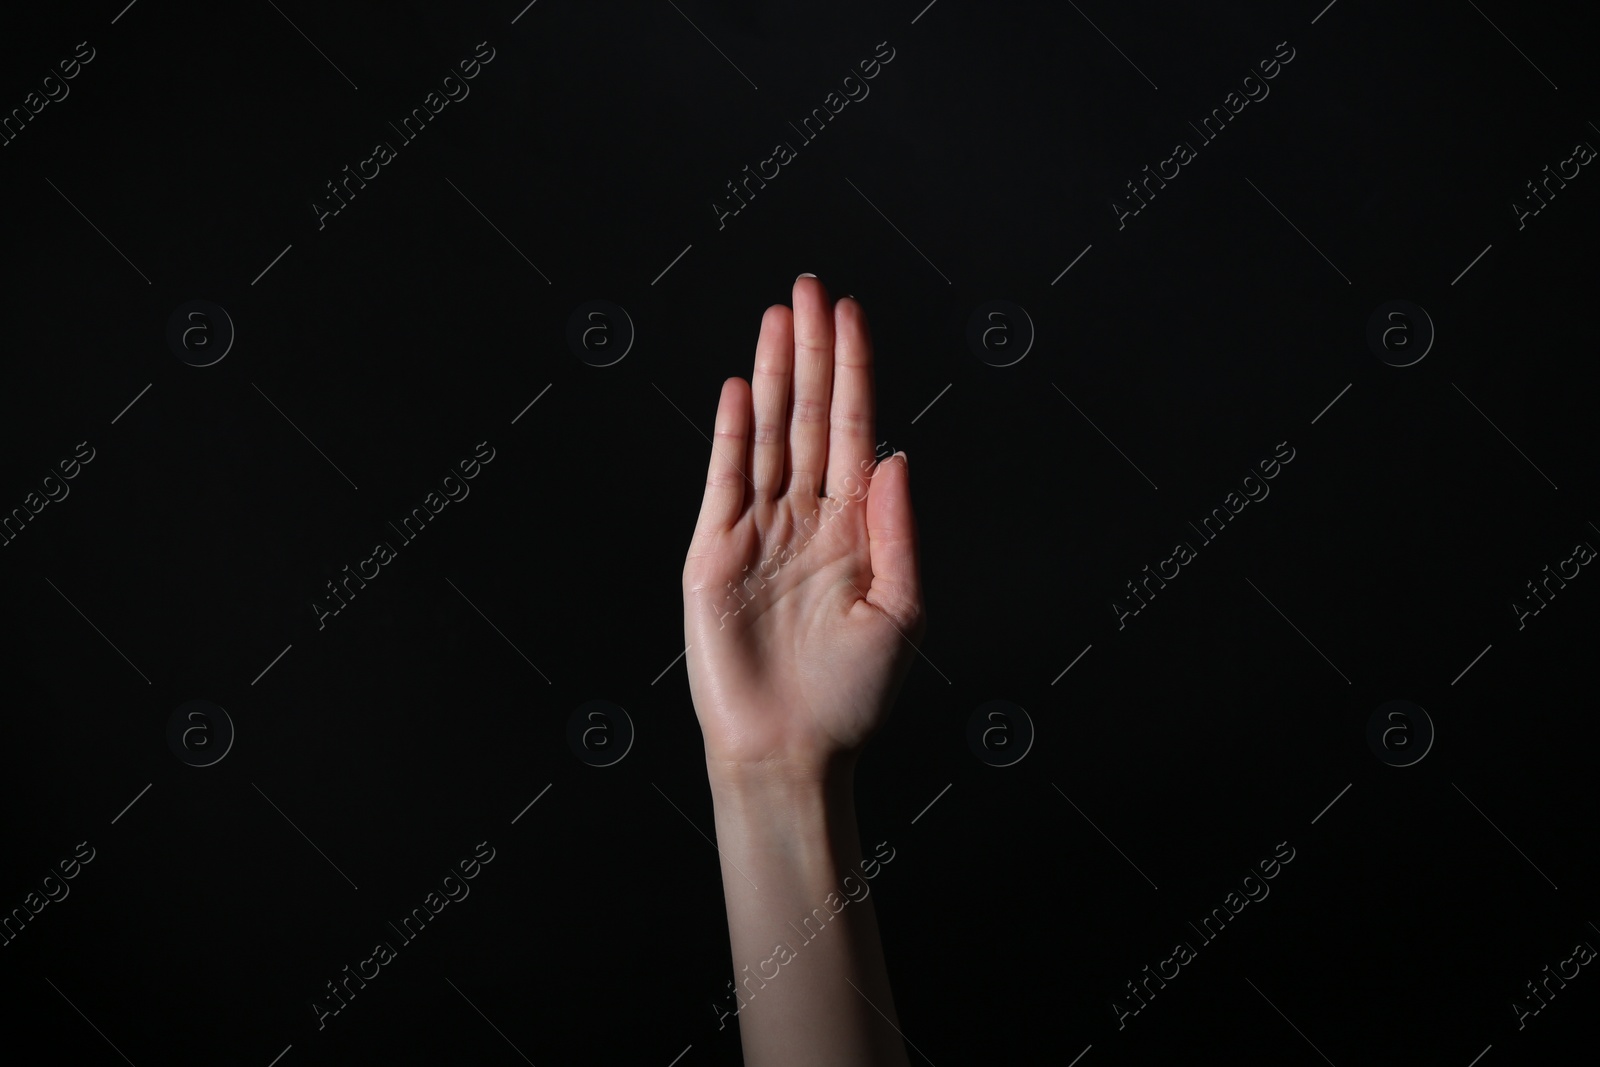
point(801, 592)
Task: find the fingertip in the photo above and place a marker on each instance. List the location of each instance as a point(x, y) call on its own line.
point(806, 282)
point(850, 321)
point(898, 473)
point(778, 319)
point(735, 393)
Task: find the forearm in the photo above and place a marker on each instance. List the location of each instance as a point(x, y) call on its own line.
point(809, 972)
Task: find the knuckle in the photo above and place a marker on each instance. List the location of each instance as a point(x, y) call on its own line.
point(808, 410)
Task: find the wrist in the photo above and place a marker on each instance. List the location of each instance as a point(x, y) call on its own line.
point(800, 815)
point(782, 781)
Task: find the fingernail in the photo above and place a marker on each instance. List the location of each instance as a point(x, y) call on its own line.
point(904, 459)
point(806, 276)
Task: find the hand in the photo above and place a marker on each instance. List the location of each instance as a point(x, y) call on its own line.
point(792, 675)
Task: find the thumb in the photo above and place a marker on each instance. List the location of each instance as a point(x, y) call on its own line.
point(892, 540)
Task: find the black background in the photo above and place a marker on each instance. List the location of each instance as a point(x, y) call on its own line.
point(1222, 720)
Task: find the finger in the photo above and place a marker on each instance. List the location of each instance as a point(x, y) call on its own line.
point(892, 541)
point(813, 387)
point(770, 384)
point(723, 502)
point(850, 420)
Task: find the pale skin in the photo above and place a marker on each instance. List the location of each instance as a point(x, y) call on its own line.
point(789, 687)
